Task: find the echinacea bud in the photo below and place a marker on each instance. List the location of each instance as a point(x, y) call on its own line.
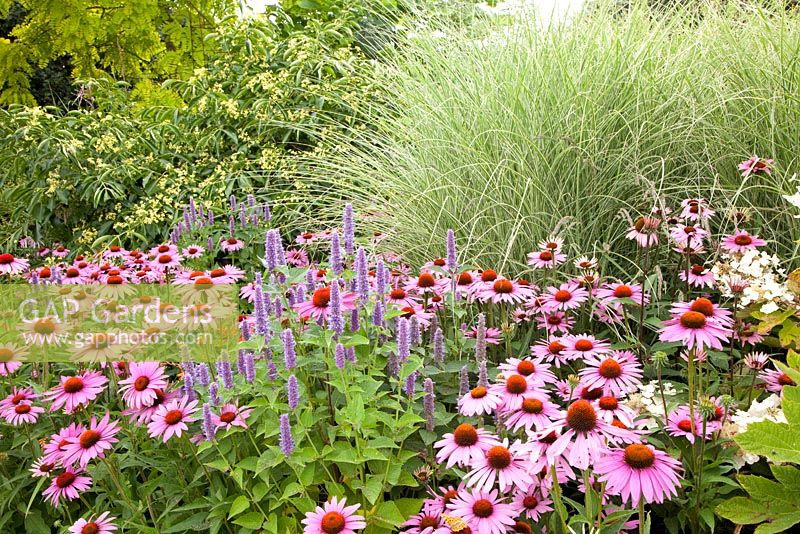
point(660, 358)
point(403, 338)
point(289, 354)
point(411, 384)
point(377, 314)
point(573, 380)
point(707, 407)
point(480, 339)
point(286, 442)
point(452, 260)
point(483, 374)
point(339, 356)
point(335, 260)
point(292, 393)
point(438, 346)
point(335, 319)
point(429, 405)
point(463, 381)
point(225, 372)
point(208, 425)
point(349, 229)
point(362, 276)
point(213, 393)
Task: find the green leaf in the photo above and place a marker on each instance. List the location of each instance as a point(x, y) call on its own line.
point(239, 505)
point(253, 520)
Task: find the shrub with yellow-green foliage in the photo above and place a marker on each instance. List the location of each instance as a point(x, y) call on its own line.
point(125, 164)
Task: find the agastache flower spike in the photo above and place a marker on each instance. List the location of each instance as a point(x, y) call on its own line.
point(483, 375)
point(208, 424)
point(362, 276)
point(335, 319)
point(414, 332)
point(272, 370)
point(210, 244)
point(336, 254)
point(277, 308)
point(411, 384)
point(267, 213)
point(231, 226)
point(350, 354)
point(211, 219)
point(285, 441)
point(452, 260)
point(480, 339)
point(202, 374)
point(355, 323)
point(429, 405)
point(381, 278)
point(225, 372)
point(311, 284)
point(339, 356)
point(292, 393)
point(377, 314)
point(349, 229)
point(213, 393)
point(289, 354)
point(463, 381)
point(438, 346)
point(249, 367)
point(242, 216)
point(233, 202)
point(403, 337)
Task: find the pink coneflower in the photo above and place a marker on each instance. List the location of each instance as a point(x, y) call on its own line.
point(679, 424)
point(511, 390)
point(103, 524)
point(503, 290)
point(427, 284)
point(163, 262)
point(755, 165)
point(747, 334)
point(483, 511)
point(584, 346)
point(145, 378)
point(584, 263)
point(617, 373)
point(11, 265)
point(555, 322)
point(22, 413)
point(536, 412)
point(73, 275)
point(230, 416)
point(231, 244)
point(639, 471)
point(546, 259)
point(581, 423)
point(697, 324)
point(504, 463)
point(317, 307)
point(439, 501)
point(75, 391)
point(54, 449)
point(741, 241)
point(644, 231)
point(305, 237)
point(494, 336)
point(479, 401)
point(400, 298)
point(296, 257)
point(609, 409)
point(60, 251)
point(696, 209)
point(567, 296)
point(17, 396)
point(334, 518)
point(616, 293)
point(551, 349)
point(11, 357)
point(699, 276)
point(144, 415)
point(532, 503)
point(91, 443)
point(165, 248)
point(68, 485)
point(553, 242)
point(193, 251)
point(535, 370)
point(756, 360)
point(428, 521)
point(775, 381)
point(114, 251)
point(171, 418)
point(465, 446)
point(688, 235)
point(42, 468)
point(417, 311)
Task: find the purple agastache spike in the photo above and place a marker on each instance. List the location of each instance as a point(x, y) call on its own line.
point(299, 294)
point(381, 277)
point(243, 216)
point(213, 393)
point(267, 214)
point(483, 375)
point(292, 392)
point(362, 276)
point(210, 245)
point(35, 278)
point(270, 254)
point(350, 354)
point(452, 259)
point(414, 332)
point(277, 308)
point(429, 404)
point(311, 283)
point(291, 299)
point(251, 201)
point(240, 362)
point(187, 219)
point(349, 229)
point(438, 346)
point(245, 329)
point(192, 209)
point(233, 203)
point(339, 356)
point(285, 441)
point(336, 255)
point(259, 306)
point(231, 226)
point(210, 217)
point(393, 364)
point(403, 338)
point(355, 320)
point(377, 313)
point(225, 372)
point(411, 384)
point(480, 339)
point(188, 380)
point(463, 381)
point(202, 374)
point(289, 354)
point(201, 215)
point(335, 318)
point(272, 369)
point(209, 429)
point(254, 218)
point(249, 367)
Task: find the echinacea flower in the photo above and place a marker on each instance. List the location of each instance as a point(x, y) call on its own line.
point(11, 358)
point(11, 265)
point(145, 378)
point(615, 293)
point(68, 485)
point(555, 322)
point(478, 401)
point(427, 284)
point(546, 259)
point(535, 370)
point(318, 306)
point(755, 165)
point(102, 524)
point(617, 373)
point(505, 291)
point(552, 350)
point(644, 231)
point(639, 472)
point(91, 443)
point(697, 324)
point(401, 299)
point(698, 276)
point(688, 235)
point(428, 521)
point(171, 418)
point(532, 503)
point(22, 413)
point(54, 449)
point(610, 409)
point(696, 209)
point(334, 517)
point(512, 389)
point(75, 391)
point(679, 424)
point(502, 463)
point(193, 251)
point(162, 262)
point(535, 413)
point(756, 360)
point(464, 446)
point(584, 263)
point(483, 511)
point(231, 415)
point(578, 346)
point(775, 380)
point(42, 468)
point(567, 296)
point(231, 245)
point(741, 241)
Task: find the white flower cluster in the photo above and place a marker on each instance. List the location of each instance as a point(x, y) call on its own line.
point(648, 398)
point(767, 410)
point(762, 274)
